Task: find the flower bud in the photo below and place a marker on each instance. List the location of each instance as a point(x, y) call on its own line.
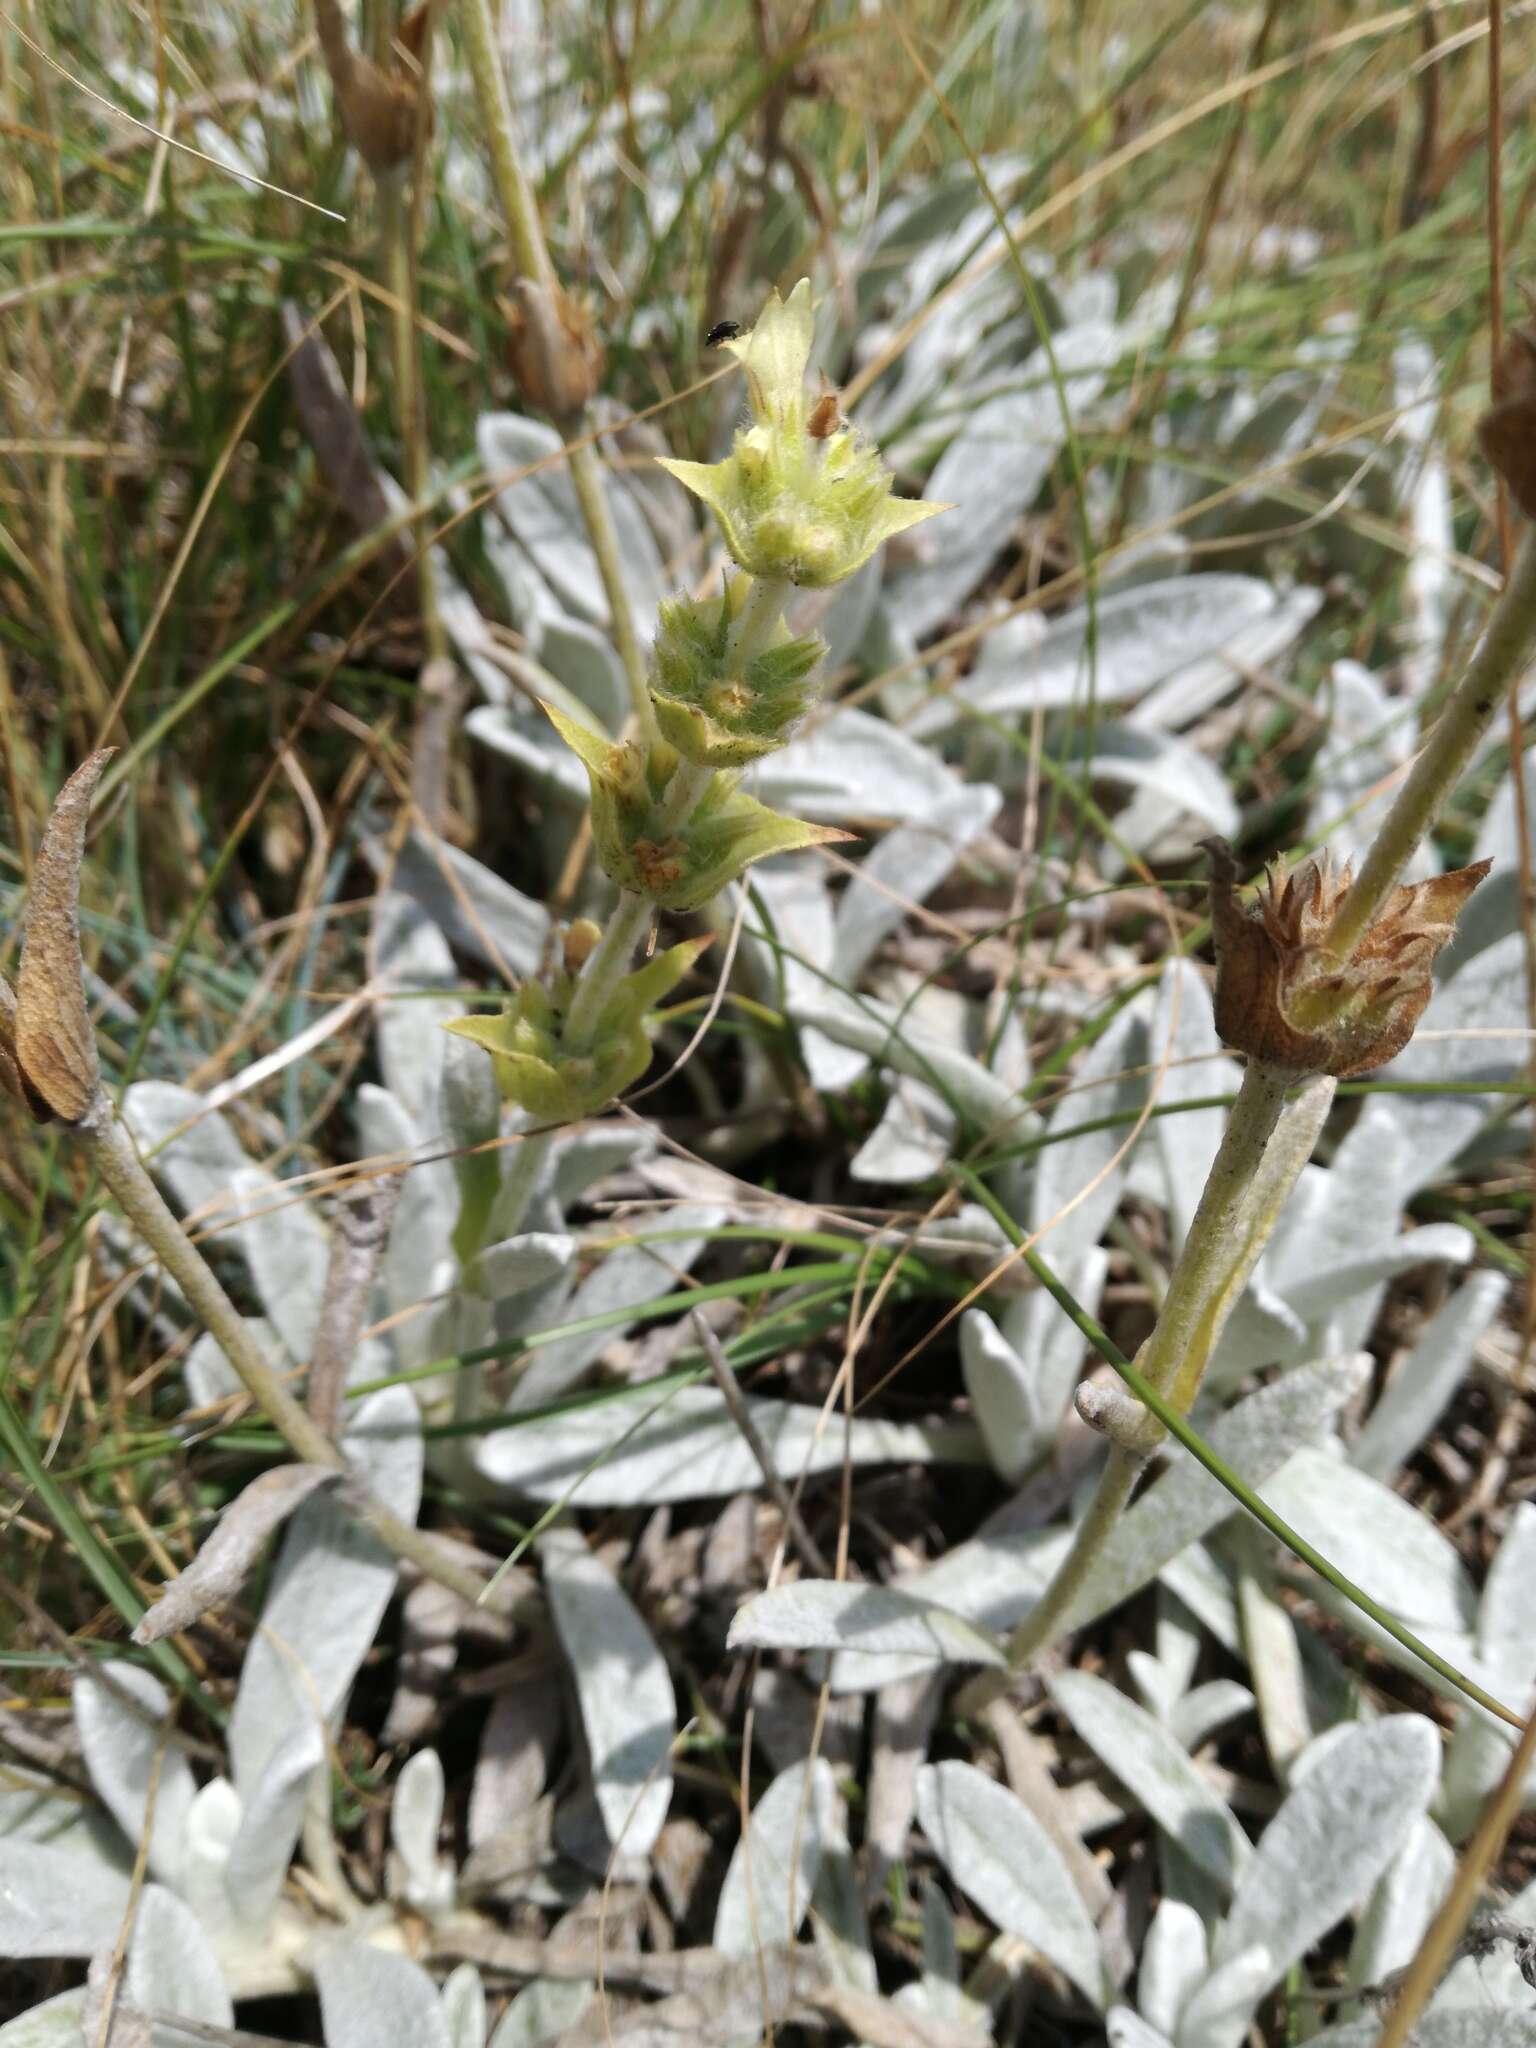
point(1283, 996)
point(533, 1068)
point(716, 717)
point(800, 497)
point(678, 865)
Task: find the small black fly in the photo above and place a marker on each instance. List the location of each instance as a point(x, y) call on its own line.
point(723, 330)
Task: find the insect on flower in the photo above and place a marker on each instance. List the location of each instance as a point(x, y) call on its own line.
point(721, 332)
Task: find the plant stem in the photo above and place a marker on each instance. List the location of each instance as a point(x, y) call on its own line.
point(1507, 647)
point(1200, 1288)
point(758, 621)
point(530, 252)
point(518, 205)
point(119, 1165)
point(1218, 1255)
point(606, 964)
point(410, 412)
point(1040, 1627)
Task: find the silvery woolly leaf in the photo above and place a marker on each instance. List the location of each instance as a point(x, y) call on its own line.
point(991, 473)
point(371, 1999)
point(172, 1968)
point(903, 870)
point(821, 1614)
point(213, 1823)
point(1393, 1550)
point(1480, 2027)
point(539, 505)
point(642, 1448)
point(1219, 2010)
point(464, 2007)
point(851, 765)
point(54, 1902)
point(1406, 1898)
point(194, 1151)
point(1367, 740)
point(793, 951)
point(411, 958)
point(912, 1141)
point(992, 1579)
point(891, 1036)
point(623, 1687)
point(1003, 1394)
point(541, 2012)
point(518, 1263)
point(1174, 784)
point(1183, 1032)
point(1193, 686)
point(1158, 1773)
point(529, 741)
point(585, 1156)
point(478, 913)
point(329, 1589)
point(56, 2023)
point(1126, 2029)
point(415, 1819)
point(1342, 1824)
point(1003, 1860)
point(1173, 1961)
point(582, 658)
point(229, 1552)
point(1256, 1438)
point(1421, 1387)
point(425, 1218)
point(132, 1754)
point(1140, 638)
point(1480, 1747)
point(1193, 1719)
point(773, 1870)
point(630, 1276)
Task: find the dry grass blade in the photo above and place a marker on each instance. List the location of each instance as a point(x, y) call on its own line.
point(55, 1044)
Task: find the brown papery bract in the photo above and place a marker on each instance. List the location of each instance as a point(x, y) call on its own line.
point(55, 1045)
point(1283, 996)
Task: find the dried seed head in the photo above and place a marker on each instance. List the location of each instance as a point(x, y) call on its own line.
point(54, 1044)
point(379, 108)
point(1506, 433)
point(555, 356)
point(1284, 997)
point(12, 1080)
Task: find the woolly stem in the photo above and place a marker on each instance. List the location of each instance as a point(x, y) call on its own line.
point(119, 1165)
point(1508, 644)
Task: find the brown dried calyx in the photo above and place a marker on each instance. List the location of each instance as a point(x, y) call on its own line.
point(379, 108)
point(1283, 996)
point(47, 1046)
point(554, 354)
point(1506, 433)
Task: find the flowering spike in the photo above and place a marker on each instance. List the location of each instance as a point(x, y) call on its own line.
point(720, 714)
point(809, 506)
point(677, 864)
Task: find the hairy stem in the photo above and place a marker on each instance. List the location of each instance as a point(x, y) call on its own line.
point(1218, 1255)
point(530, 252)
point(1506, 651)
point(606, 965)
point(119, 1165)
